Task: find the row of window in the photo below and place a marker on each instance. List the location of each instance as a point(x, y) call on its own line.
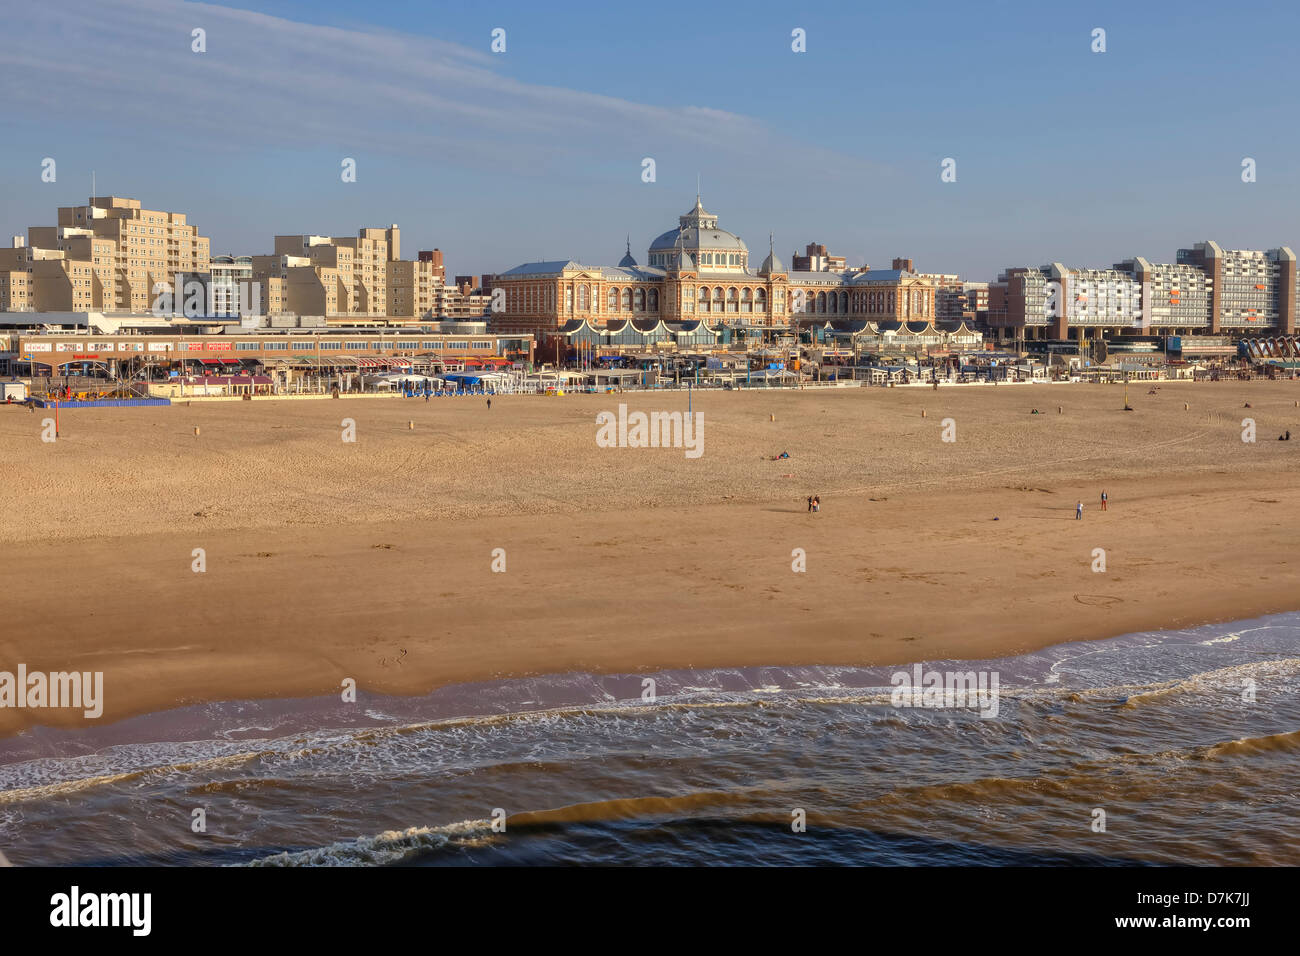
point(364, 346)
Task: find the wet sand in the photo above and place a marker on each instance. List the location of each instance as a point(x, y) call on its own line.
point(373, 560)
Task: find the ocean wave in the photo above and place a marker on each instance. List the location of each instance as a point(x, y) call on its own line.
point(383, 849)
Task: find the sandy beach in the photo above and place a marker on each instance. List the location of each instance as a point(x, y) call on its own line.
point(373, 559)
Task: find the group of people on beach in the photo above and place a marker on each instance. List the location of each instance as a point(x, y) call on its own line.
point(814, 503)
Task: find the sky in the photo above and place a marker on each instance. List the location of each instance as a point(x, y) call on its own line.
point(498, 158)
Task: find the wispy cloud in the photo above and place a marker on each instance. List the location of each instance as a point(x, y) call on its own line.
point(266, 82)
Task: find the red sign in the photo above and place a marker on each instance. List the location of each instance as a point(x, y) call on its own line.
point(192, 346)
point(219, 347)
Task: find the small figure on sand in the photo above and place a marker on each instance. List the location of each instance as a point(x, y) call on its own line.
point(810, 504)
point(1104, 499)
point(817, 503)
point(489, 404)
point(1286, 437)
point(784, 454)
point(1078, 511)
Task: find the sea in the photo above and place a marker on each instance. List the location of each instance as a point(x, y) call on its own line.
point(1150, 749)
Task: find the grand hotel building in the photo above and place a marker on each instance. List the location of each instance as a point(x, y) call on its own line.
point(700, 272)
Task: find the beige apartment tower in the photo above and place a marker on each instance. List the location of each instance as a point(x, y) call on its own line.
point(107, 256)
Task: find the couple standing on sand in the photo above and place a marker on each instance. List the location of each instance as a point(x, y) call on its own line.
point(1078, 509)
point(814, 503)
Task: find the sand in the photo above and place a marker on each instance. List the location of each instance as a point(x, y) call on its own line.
point(372, 560)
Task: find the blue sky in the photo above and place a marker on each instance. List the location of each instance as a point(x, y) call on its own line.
point(1062, 154)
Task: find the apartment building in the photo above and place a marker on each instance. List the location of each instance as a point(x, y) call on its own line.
point(949, 296)
point(1251, 291)
point(137, 249)
point(977, 298)
point(332, 275)
point(109, 255)
point(230, 285)
point(415, 288)
point(44, 280)
point(1208, 290)
point(1099, 299)
point(1175, 297)
point(1018, 303)
point(817, 259)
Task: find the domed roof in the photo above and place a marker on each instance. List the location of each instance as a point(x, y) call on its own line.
point(771, 264)
point(698, 229)
point(696, 239)
point(627, 262)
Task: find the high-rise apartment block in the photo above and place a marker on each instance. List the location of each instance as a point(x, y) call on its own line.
point(109, 256)
point(329, 275)
point(415, 288)
point(1207, 290)
point(1250, 290)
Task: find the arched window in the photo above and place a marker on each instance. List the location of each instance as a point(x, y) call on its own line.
point(638, 300)
point(834, 303)
point(704, 299)
point(583, 302)
point(844, 302)
point(732, 302)
point(654, 300)
point(627, 300)
point(746, 299)
point(612, 299)
point(568, 299)
point(717, 299)
point(760, 297)
point(821, 302)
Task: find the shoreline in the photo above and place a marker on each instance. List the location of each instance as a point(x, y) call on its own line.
point(508, 698)
point(304, 647)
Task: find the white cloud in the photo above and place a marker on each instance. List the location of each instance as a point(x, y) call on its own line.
point(266, 82)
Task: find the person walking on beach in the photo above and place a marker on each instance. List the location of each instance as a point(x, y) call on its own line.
point(489, 404)
point(1104, 499)
point(810, 504)
point(817, 503)
point(1078, 511)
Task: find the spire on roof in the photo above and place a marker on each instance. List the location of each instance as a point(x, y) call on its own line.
point(771, 264)
point(627, 262)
